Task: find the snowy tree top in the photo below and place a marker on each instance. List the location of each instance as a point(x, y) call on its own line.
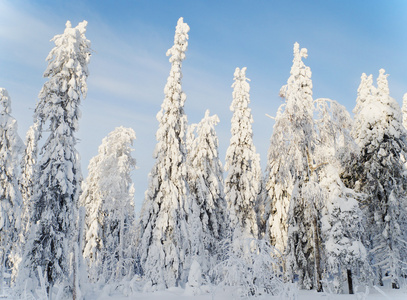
point(5, 107)
point(177, 52)
point(69, 59)
point(173, 90)
point(241, 87)
point(376, 113)
point(303, 53)
point(382, 83)
point(365, 88)
point(299, 84)
point(67, 71)
point(119, 138)
point(212, 119)
point(207, 125)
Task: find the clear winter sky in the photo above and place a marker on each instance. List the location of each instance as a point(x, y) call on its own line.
point(129, 69)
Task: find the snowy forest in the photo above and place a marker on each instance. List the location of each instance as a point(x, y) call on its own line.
point(327, 214)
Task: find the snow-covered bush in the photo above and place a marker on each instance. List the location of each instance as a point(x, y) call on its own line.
point(249, 273)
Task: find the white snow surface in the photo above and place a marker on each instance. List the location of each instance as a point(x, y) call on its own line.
point(214, 293)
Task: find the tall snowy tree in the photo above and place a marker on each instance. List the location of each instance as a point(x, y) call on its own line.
point(57, 182)
point(242, 184)
point(292, 192)
point(381, 175)
point(11, 147)
point(164, 241)
point(108, 199)
point(207, 222)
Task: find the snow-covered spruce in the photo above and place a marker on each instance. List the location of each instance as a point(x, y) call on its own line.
point(242, 183)
point(341, 218)
point(207, 222)
point(163, 243)
point(58, 177)
point(380, 173)
point(26, 181)
point(11, 147)
point(289, 169)
point(108, 199)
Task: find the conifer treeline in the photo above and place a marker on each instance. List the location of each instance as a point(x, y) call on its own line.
point(329, 210)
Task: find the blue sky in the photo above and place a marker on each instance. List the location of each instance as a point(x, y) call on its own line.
point(128, 68)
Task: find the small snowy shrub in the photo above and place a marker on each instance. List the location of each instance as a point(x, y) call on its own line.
point(250, 273)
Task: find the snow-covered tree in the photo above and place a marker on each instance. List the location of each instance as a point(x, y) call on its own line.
point(342, 230)
point(242, 184)
point(11, 147)
point(341, 219)
point(108, 198)
point(26, 185)
point(380, 173)
point(207, 222)
point(164, 241)
point(58, 177)
point(291, 142)
point(404, 110)
point(26, 182)
point(289, 171)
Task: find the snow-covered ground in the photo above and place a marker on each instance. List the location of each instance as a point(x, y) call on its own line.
point(178, 294)
point(221, 293)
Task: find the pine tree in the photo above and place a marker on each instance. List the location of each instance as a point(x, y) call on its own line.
point(10, 198)
point(292, 189)
point(58, 176)
point(242, 184)
point(380, 174)
point(163, 242)
point(108, 199)
point(208, 208)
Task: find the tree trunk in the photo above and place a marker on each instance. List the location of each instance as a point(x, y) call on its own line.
point(380, 277)
point(317, 255)
point(395, 285)
point(350, 282)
